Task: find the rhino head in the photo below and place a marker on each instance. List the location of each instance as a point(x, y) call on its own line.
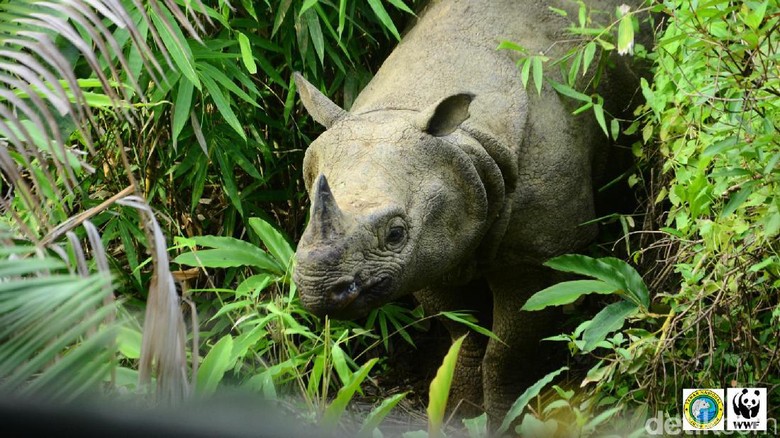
point(395, 203)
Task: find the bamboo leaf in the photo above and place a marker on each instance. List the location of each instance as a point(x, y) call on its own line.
point(214, 366)
point(519, 405)
point(439, 391)
point(246, 53)
point(565, 293)
point(378, 414)
point(384, 18)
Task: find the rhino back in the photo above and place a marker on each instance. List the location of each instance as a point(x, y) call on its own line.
point(452, 49)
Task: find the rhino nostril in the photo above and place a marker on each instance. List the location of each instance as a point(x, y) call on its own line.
point(344, 291)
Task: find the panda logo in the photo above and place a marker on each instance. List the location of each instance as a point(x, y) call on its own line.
point(746, 404)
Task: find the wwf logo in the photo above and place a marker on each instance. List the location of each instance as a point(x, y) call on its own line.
point(747, 404)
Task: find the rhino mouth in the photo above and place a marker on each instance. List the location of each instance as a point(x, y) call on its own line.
point(355, 299)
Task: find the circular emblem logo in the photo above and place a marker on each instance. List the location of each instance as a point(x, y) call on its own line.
point(703, 409)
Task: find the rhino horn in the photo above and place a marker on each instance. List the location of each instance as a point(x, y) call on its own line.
point(327, 220)
point(323, 110)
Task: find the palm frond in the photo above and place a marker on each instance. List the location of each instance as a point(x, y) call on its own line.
point(46, 316)
point(64, 67)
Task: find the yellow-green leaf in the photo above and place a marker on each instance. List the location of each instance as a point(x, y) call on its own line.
point(440, 390)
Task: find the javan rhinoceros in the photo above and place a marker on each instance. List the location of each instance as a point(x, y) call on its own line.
point(448, 180)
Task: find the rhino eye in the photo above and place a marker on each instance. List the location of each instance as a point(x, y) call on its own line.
point(395, 236)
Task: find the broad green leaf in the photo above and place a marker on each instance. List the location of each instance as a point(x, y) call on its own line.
point(337, 407)
point(736, 200)
point(625, 41)
point(565, 293)
point(590, 52)
point(519, 405)
point(384, 18)
point(254, 285)
point(340, 364)
point(532, 426)
point(538, 70)
point(439, 391)
point(584, 265)
point(614, 127)
point(632, 282)
point(378, 414)
point(228, 252)
point(477, 426)
point(721, 146)
point(214, 366)
point(274, 240)
point(525, 72)
point(510, 45)
point(609, 319)
point(129, 342)
point(246, 53)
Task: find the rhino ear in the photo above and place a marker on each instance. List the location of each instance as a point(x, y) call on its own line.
point(445, 115)
point(322, 109)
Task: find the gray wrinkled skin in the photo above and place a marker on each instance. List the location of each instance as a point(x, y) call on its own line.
point(448, 180)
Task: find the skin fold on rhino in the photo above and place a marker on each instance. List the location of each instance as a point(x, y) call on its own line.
point(448, 180)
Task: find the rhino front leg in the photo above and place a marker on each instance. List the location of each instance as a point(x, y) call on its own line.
point(466, 392)
point(511, 367)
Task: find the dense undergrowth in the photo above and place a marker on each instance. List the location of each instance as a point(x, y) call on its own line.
point(213, 143)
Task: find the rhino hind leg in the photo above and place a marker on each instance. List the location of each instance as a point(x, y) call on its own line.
point(511, 367)
point(466, 392)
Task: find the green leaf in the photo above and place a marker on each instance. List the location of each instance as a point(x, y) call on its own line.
point(538, 70)
point(306, 6)
point(481, 330)
point(477, 426)
point(129, 342)
point(570, 92)
point(720, 146)
point(614, 127)
point(214, 366)
point(509, 45)
point(182, 108)
point(625, 40)
point(336, 409)
point(736, 200)
point(274, 240)
point(281, 12)
point(223, 106)
point(598, 111)
point(525, 72)
point(228, 252)
point(342, 16)
point(384, 18)
point(254, 285)
point(439, 391)
point(609, 319)
point(519, 405)
point(340, 364)
point(590, 52)
point(378, 414)
point(315, 31)
point(246, 53)
point(177, 46)
point(565, 293)
point(402, 6)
